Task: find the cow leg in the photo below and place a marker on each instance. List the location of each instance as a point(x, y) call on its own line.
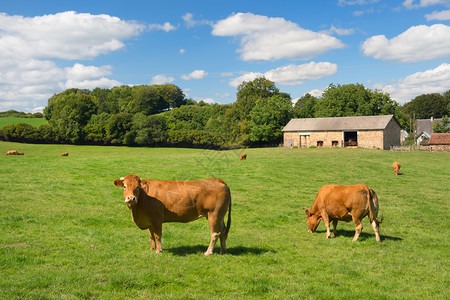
point(158, 234)
point(358, 229)
point(334, 227)
point(215, 227)
point(152, 239)
point(376, 229)
point(223, 239)
point(326, 220)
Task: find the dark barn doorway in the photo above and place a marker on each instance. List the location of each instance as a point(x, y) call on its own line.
point(350, 139)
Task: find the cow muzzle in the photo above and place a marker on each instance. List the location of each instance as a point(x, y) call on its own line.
point(310, 231)
point(130, 200)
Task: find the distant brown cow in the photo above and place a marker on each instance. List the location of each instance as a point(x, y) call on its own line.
point(243, 156)
point(12, 152)
point(65, 154)
point(344, 203)
point(153, 202)
point(20, 153)
point(396, 167)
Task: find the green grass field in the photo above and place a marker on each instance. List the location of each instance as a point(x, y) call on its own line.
point(36, 122)
point(67, 234)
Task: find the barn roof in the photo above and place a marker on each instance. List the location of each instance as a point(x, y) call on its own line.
point(339, 123)
point(439, 139)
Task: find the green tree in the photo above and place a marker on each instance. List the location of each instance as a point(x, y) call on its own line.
point(441, 127)
point(305, 107)
point(68, 113)
point(118, 126)
point(268, 117)
point(428, 105)
point(96, 129)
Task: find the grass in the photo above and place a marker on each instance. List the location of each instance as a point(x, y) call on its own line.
point(66, 232)
point(36, 122)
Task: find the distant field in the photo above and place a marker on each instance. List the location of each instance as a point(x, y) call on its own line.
point(36, 122)
point(66, 232)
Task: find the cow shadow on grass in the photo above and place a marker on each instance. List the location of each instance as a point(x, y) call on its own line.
point(197, 249)
point(363, 236)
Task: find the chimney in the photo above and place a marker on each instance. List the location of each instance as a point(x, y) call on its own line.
point(432, 119)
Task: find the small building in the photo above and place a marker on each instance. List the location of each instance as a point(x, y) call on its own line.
point(380, 132)
point(425, 127)
point(438, 142)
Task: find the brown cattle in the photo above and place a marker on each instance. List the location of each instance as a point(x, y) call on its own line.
point(20, 153)
point(344, 203)
point(12, 152)
point(243, 156)
point(65, 154)
point(153, 202)
point(396, 167)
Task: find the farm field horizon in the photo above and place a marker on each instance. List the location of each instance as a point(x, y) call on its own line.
point(66, 232)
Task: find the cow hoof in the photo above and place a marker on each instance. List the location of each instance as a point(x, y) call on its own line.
point(207, 253)
point(158, 251)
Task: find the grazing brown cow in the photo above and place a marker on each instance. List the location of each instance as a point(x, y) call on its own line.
point(65, 154)
point(12, 152)
point(20, 153)
point(396, 167)
point(243, 156)
point(153, 202)
point(344, 203)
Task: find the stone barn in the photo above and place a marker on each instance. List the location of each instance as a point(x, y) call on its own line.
point(380, 132)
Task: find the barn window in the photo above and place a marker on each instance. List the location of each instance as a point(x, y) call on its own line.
point(334, 143)
point(319, 144)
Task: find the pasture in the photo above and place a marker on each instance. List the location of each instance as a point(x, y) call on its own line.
point(67, 234)
point(36, 122)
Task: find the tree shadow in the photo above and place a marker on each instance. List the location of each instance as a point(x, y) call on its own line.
point(200, 249)
point(363, 236)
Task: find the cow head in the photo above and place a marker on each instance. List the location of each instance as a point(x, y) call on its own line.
point(131, 185)
point(313, 220)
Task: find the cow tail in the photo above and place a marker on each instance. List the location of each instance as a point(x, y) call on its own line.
point(371, 198)
point(229, 215)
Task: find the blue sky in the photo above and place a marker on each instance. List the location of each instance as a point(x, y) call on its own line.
point(208, 47)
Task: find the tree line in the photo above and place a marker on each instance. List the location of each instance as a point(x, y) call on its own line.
point(160, 115)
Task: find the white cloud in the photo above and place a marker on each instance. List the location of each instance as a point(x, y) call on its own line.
point(438, 15)
point(197, 74)
point(291, 74)
point(317, 92)
point(339, 31)
point(188, 19)
point(410, 4)
point(68, 35)
point(161, 79)
point(206, 100)
point(430, 81)
point(418, 43)
point(266, 38)
point(164, 27)
point(182, 51)
point(29, 46)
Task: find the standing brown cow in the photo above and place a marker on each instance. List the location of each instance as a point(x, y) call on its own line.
point(344, 203)
point(243, 156)
point(396, 167)
point(153, 202)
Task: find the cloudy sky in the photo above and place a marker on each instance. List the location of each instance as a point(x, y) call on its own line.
point(208, 48)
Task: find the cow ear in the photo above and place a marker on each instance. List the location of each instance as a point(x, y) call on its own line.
point(307, 212)
point(118, 183)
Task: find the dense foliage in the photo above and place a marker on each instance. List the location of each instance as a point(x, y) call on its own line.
point(160, 115)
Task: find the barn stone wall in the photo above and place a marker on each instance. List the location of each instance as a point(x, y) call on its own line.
point(370, 139)
point(327, 138)
point(435, 148)
point(291, 139)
